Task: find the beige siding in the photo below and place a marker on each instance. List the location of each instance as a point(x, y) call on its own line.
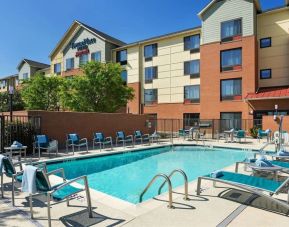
point(274, 24)
point(227, 10)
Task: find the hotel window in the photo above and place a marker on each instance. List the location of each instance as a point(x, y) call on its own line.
point(192, 94)
point(192, 43)
point(123, 75)
point(83, 59)
point(96, 56)
point(265, 73)
point(231, 30)
point(231, 120)
point(150, 96)
point(121, 57)
point(231, 89)
point(150, 74)
point(192, 68)
point(231, 59)
point(150, 51)
point(57, 68)
point(25, 76)
point(265, 42)
point(69, 63)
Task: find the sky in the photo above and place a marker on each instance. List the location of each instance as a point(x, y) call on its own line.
point(32, 28)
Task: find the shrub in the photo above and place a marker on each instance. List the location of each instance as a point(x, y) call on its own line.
point(254, 132)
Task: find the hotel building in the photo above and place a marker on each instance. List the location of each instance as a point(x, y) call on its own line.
point(234, 66)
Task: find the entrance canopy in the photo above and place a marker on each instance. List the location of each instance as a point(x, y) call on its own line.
point(269, 93)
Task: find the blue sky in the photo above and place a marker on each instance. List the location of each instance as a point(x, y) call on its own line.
point(31, 28)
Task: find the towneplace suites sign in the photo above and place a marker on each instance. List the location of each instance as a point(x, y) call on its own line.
point(82, 47)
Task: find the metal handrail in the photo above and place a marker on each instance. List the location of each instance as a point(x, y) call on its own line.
point(185, 185)
point(167, 179)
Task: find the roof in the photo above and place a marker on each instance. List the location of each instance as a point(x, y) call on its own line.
point(96, 32)
point(287, 2)
point(257, 4)
point(8, 77)
point(161, 36)
point(32, 63)
point(269, 93)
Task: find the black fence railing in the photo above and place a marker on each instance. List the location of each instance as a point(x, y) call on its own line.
point(21, 129)
point(170, 127)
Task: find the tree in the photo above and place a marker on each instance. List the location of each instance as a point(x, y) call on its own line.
point(100, 89)
point(18, 103)
point(42, 93)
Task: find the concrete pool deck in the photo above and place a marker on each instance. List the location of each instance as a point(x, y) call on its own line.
point(220, 206)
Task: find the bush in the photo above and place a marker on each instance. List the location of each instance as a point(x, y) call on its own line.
point(254, 132)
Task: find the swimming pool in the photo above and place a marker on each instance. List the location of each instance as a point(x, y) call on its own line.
point(125, 175)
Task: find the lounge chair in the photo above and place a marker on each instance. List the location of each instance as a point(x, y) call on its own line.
point(264, 133)
point(73, 140)
point(42, 142)
point(239, 135)
point(139, 136)
point(122, 138)
point(59, 192)
point(256, 185)
point(99, 138)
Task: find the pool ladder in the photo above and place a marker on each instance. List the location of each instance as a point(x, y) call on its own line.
point(167, 179)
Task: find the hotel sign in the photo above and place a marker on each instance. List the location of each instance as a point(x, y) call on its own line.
point(82, 47)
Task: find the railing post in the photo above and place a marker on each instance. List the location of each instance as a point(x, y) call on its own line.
point(2, 119)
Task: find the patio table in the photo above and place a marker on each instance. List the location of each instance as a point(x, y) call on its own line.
point(18, 150)
point(230, 134)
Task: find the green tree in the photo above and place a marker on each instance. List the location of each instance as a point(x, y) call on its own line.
point(41, 92)
point(100, 89)
point(18, 103)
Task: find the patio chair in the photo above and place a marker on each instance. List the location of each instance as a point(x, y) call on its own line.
point(139, 136)
point(73, 140)
point(59, 192)
point(99, 138)
point(255, 185)
point(264, 133)
point(184, 133)
point(239, 135)
point(42, 142)
point(122, 138)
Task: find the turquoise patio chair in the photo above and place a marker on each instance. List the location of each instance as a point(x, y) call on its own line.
point(99, 138)
point(42, 142)
point(59, 192)
point(122, 138)
point(239, 135)
point(255, 185)
point(73, 140)
point(139, 136)
point(264, 133)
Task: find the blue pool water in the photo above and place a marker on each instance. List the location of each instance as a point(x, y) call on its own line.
point(126, 175)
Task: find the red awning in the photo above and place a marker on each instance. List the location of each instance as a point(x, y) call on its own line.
point(269, 93)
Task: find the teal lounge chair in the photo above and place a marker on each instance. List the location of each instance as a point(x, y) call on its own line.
point(139, 136)
point(99, 138)
point(264, 133)
point(124, 139)
point(239, 135)
point(42, 142)
point(73, 140)
point(256, 185)
point(59, 192)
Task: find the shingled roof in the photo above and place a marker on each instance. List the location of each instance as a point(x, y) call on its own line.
point(32, 63)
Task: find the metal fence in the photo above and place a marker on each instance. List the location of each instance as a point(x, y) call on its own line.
point(169, 128)
point(21, 129)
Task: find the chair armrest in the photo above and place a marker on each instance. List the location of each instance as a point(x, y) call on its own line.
point(68, 140)
point(108, 138)
point(83, 139)
point(146, 135)
point(70, 182)
point(129, 136)
point(61, 170)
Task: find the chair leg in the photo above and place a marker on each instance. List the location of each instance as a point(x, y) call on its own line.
point(31, 206)
point(2, 189)
point(13, 192)
point(73, 149)
point(86, 148)
point(39, 153)
point(48, 209)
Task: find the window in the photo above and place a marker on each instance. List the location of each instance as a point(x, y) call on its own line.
point(192, 43)
point(231, 30)
point(192, 68)
point(231, 121)
point(121, 57)
point(96, 56)
point(192, 94)
point(69, 63)
point(191, 120)
point(83, 59)
point(150, 51)
point(150, 74)
point(231, 89)
point(3, 83)
point(265, 42)
point(57, 68)
point(265, 74)
point(25, 76)
point(231, 59)
point(123, 75)
point(150, 96)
